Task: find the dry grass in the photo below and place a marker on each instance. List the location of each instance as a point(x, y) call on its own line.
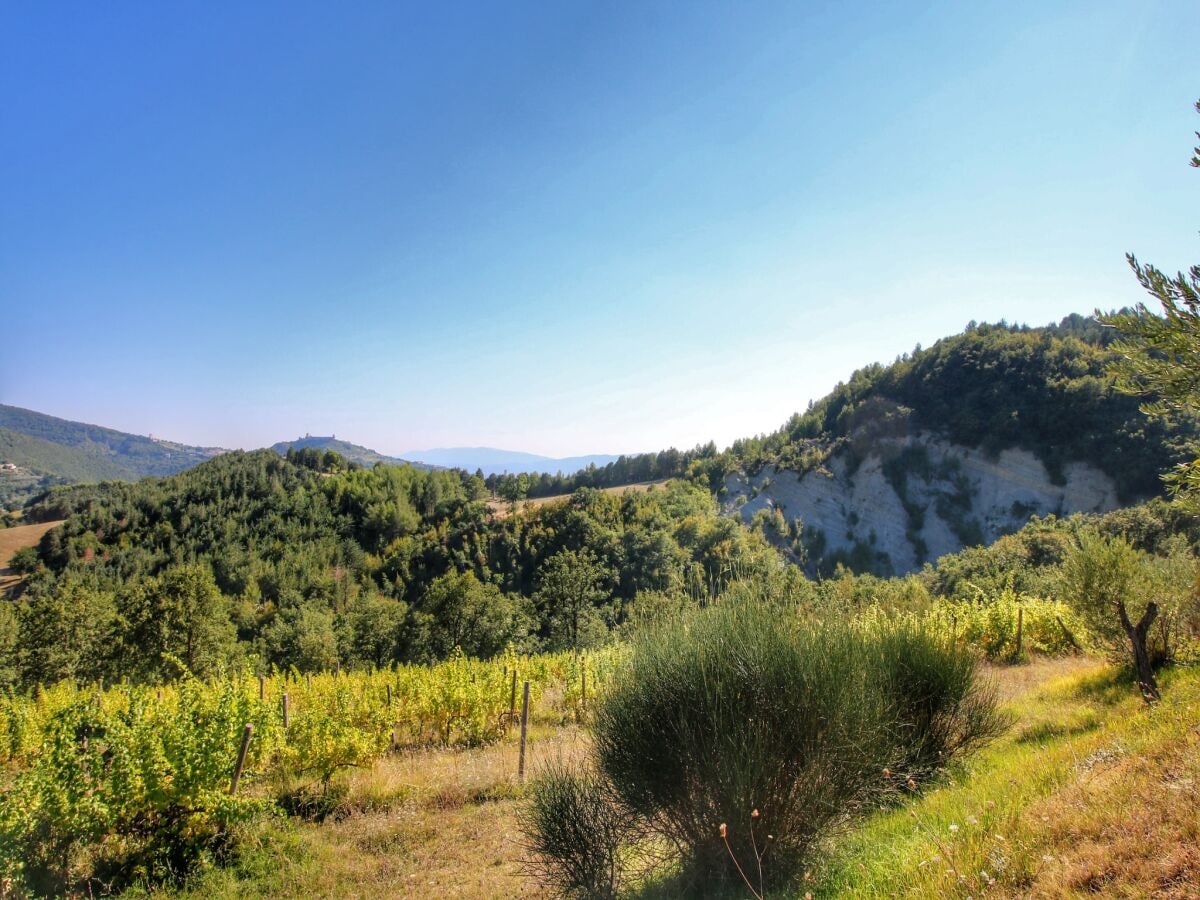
point(1129, 827)
point(501, 508)
point(418, 824)
point(14, 539)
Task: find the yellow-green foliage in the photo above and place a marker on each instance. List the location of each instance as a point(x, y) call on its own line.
point(989, 623)
point(140, 772)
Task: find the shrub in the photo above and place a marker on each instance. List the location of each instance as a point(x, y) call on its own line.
point(940, 707)
point(576, 829)
point(749, 716)
point(736, 708)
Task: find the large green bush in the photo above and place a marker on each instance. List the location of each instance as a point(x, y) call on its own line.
point(748, 715)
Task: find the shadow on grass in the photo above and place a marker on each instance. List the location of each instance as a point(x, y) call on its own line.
point(1082, 722)
point(1107, 687)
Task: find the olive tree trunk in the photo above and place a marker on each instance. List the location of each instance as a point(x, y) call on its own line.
point(1141, 656)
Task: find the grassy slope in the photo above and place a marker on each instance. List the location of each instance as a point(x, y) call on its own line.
point(1090, 792)
point(47, 457)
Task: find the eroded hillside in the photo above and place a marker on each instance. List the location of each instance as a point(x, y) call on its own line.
point(909, 499)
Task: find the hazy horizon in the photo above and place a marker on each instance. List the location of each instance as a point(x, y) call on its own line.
point(562, 230)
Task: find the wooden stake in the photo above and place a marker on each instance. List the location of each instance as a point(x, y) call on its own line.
point(583, 683)
point(262, 688)
point(389, 689)
point(241, 759)
point(1020, 629)
point(524, 733)
point(286, 718)
point(308, 679)
point(512, 700)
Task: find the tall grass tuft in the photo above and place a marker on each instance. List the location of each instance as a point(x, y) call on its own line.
point(576, 829)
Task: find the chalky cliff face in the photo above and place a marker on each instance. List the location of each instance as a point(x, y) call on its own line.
point(913, 499)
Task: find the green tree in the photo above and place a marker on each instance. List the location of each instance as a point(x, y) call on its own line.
point(1103, 578)
point(1159, 354)
point(179, 618)
point(377, 629)
point(66, 633)
point(571, 585)
point(10, 642)
point(458, 610)
point(302, 635)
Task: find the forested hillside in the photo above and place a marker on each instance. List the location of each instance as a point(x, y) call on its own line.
point(364, 456)
point(992, 387)
point(303, 563)
point(58, 450)
point(947, 447)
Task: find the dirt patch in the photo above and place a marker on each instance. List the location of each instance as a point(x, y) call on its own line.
point(14, 539)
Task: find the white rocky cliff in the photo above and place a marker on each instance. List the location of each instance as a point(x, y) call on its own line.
point(913, 499)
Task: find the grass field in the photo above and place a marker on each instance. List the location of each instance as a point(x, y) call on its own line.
point(1089, 793)
point(501, 508)
point(14, 539)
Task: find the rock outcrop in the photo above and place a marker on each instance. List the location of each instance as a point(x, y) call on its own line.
point(912, 499)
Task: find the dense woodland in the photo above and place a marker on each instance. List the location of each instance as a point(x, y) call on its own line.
point(312, 563)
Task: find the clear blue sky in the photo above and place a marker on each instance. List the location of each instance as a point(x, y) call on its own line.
point(560, 227)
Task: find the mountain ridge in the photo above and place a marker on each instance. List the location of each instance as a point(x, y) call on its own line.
point(497, 461)
point(364, 456)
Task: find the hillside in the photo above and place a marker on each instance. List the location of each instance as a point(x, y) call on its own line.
point(307, 563)
point(56, 450)
point(493, 461)
point(952, 446)
point(364, 456)
point(948, 446)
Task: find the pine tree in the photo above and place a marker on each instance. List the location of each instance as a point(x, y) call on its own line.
point(1159, 355)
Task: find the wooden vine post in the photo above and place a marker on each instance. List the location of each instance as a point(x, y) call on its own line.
point(1020, 630)
point(241, 759)
point(286, 717)
point(524, 733)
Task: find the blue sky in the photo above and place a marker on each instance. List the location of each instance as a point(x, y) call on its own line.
point(560, 227)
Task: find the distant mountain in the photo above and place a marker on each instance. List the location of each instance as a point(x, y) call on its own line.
point(47, 450)
point(354, 452)
point(497, 462)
